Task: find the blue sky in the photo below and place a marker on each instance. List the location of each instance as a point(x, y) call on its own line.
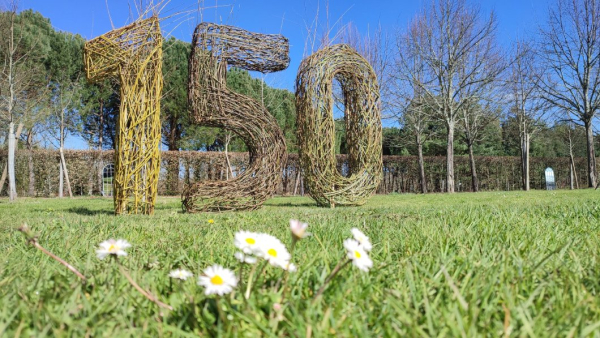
point(90, 18)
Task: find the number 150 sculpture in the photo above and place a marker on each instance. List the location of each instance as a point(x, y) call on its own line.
point(133, 55)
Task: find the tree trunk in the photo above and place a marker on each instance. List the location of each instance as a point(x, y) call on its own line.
point(4, 174)
point(61, 176)
point(474, 180)
point(571, 185)
point(63, 165)
point(227, 140)
point(525, 161)
point(31, 192)
point(12, 187)
point(173, 138)
point(591, 155)
point(100, 173)
point(450, 159)
point(66, 172)
point(172, 176)
point(421, 165)
point(572, 163)
point(100, 145)
point(5, 171)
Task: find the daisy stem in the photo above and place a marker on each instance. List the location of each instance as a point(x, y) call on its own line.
point(249, 284)
point(294, 240)
point(240, 272)
point(287, 272)
point(284, 287)
point(145, 293)
point(333, 273)
point(250, 278)
point(220, 310)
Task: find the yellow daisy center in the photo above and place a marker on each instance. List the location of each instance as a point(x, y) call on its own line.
point(272, 252)
point(216, 280)
point(250, 240)
point(112, 248)
point(356, 254)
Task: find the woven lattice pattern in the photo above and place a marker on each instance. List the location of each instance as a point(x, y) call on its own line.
point(316, 129)
point(212, 104)
point(132, 55)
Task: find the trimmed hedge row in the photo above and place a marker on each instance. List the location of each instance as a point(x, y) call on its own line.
point(182, 167)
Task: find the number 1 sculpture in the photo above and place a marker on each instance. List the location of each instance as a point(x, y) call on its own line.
point(132, 55)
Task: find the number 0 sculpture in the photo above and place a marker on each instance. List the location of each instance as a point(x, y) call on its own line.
point(212, 104)
point(316, 129)
point(133, 56)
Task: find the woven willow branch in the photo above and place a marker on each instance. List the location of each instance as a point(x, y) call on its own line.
point(316, 129)
point(212, 104)
point(133, 56)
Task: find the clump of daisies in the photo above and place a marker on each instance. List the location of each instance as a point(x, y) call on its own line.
point(255, 246)
point(357, 253)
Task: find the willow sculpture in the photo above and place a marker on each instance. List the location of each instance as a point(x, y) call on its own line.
point(214, 47)
point(316, 128)
point(132, 55)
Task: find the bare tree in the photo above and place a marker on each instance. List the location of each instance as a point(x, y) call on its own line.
point(376, 48)
point(408, 98)
point(460, 60)
point(417, 120)
point(13, 84)
point(568, 135)
point(10, 84)
point(64, 99)
point(20, 87)
point(570, 49)
point(475, 116)
point(525, 100)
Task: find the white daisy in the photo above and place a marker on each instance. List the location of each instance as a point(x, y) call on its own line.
point(249, 259)
point(180, 274)
point(217, 279)
point(112, 247)
point(358, 255)
point(273, 251)
point(291, 267)
point(362, 239)
point(246, 241)
point(298, 229)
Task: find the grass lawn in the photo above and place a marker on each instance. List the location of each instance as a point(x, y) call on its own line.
point(465, 264)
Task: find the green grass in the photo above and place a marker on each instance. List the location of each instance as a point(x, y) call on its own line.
point(525, 263)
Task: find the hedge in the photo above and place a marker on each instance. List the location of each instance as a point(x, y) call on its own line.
point(182, 167)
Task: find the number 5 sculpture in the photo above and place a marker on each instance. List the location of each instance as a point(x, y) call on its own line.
point(133, 56)
point(213, 105)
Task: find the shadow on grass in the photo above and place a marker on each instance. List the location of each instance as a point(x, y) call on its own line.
point(289, 204)
point(89, 212)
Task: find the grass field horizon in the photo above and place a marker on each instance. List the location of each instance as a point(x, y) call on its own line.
point(464, 264)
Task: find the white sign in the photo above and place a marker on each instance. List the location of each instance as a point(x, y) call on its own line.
point(550, 183)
